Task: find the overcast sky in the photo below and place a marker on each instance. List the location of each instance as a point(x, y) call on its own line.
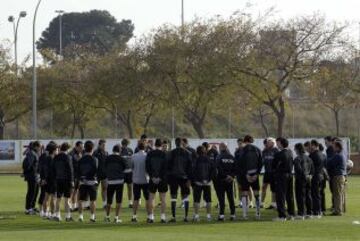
point(147, 14)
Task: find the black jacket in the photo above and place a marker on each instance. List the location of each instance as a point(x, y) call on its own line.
point(204, 170)
point(127, 153)
point(63, 168)
point(114, 167)
point(179, 164)
point(49, 170)
point(268, 157)
point(156, 164)
point(192, 152)
point(42, 165)
point(283, 162)
point(319, 160)
point(88, 168)
point(31, 166)
point(101, 156)
point(250, 161)
point(225, 165)
point(212, 155)
point(303, 167)
point(75, 157)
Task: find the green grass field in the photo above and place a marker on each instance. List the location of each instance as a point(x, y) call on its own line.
point(14, 225)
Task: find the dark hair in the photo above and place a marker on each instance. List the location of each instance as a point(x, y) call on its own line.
point(283, 141)
point(51, 147)
point(125, 142)
point(78, 143)
point(141, 145)
point(178, 142)
point(101, 141)
point(185, 141)
point(35, 144)
point(240, 140)
point(64, 146)
point(158, 142)
point(248, 139)
point(328, 138)
point(307, 144)
point(338, 144)
point(336, 139)
point(89, 146)
point(116, 148)
point(143, 136)
point(206, 145)
point(201, 151)
point(299, 147)
point(314, 143)
point(265, 141)
point(321, 147)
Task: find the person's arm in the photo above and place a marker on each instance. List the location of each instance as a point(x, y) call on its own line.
point(260, 162)
point(148, 164)
point(71, 168)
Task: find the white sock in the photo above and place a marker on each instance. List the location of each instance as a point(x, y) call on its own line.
point(116, 217)
point(221, 216)
point(81, 216)
point(196, 215)
point(134, 216)
point(151, 216)
point(93, 216)
point(208, 215)
point(130, 202)
point(163, 216)
point(58, 214)
point(244, 205)
point(104, 203)
point(68, 215)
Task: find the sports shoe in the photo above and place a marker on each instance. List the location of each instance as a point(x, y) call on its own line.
point(163, 221)
point(116, 220)
point(134, 220)
point(232, 218)
point(196, 219)
point(277, 219)
point(69, 219)
point(290, 218)
point(318, 216)
point(309, 217)
point(107, 220)
point(130, 206)
point(257, 216)
point(92, 220)
point(221, 219)
point(299, 218)
point(149, 220)
point(81, 220)
point(186, 220)
point(209, 219)
point(57, 219)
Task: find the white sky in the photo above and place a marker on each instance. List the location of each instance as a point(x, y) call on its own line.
point(147, 14)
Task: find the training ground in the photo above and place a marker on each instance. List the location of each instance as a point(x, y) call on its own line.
point(14, 225)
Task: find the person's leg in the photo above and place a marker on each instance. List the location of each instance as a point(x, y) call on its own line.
point(29, 195)
point(57, 207)
point(45, 205)
point(137, 196)
point(109, 199)
point(338, 190)
point(244, 197)
point(315, 193)
point(36, 193)
point(173, 193)
point(119, 197)
point(197, 190)
point(185, 192)
point(290, 196)
point(308, 199)
point(299, 197)
point(322, 195)
point(152, 196)
point(207, 198)
point(263, 192)
point(221, 198)
point(41, 200)
point(230, 196)
point(52, 205)
point(280, 196)
point(92, 190)
point(67, 208)
point(146, 194)
point(103, 192)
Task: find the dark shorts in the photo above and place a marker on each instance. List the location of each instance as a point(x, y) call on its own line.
point(137, 188)
point(116, 189)
point(63, 188)
point(245, 185)
point(198, 190)
point(161, 187)
point(50, 188)
point(76, 184)
point(175, 183)
point(269, 178)
point(128, 178)
point(87, 191)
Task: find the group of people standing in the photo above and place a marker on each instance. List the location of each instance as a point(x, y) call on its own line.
point(76, 175)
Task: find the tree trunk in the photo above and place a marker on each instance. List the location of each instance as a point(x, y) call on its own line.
point(198, 127)
point(2, 131)
point(262, 122)
point(82, 131)
point(280, 114)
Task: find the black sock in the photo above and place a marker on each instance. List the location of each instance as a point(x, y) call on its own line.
point(173, 208)
point(186, 205)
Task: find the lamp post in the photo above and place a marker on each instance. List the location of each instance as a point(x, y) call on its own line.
point(34, 83)
point(60, 12)
point(15, 23)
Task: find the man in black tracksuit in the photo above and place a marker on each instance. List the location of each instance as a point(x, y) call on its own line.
point(76, 154)
point(126, 152)
point(304, 169)
point(42, 163)
point(330, 153)
point(87, 175)
point(204, 171)
point(156, 167)
point(64, 174)
point(283, 166)
point(319, 160)
point(100, 153)
point(32, 176)
point(179, 174)
point(226, 170)
point(190, 149)
point(115, 166)
point(248, 169)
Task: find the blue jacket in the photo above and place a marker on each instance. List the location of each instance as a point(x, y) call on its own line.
point(337, 166)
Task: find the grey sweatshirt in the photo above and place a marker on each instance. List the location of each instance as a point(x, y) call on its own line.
point(139, 168)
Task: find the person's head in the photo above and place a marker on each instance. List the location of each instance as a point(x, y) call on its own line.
point(178, 142)
point(150, 143)
point(223, 147)
point(89, 147)
point(282, 142)
point(185, 142)
point(125, 142)
point(314, 145)
point(307, 146)
point(36, 146)
point(116, 149)
point(141, 146)
point(79, 146)
point(328, 141)
point(52, 148)
point(64, 147)
point(265, 143)
point(201, 150)
point(206, 145)
point(240, 142)
point(321, 147)
point(102, 143)
point(165, 145)
point(248, 139)
point(270, 142)
point(338, 147)
point(158, 143)
point(299, 149)
point(144, 138)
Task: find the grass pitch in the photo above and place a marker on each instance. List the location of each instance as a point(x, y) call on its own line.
point(14, 225)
